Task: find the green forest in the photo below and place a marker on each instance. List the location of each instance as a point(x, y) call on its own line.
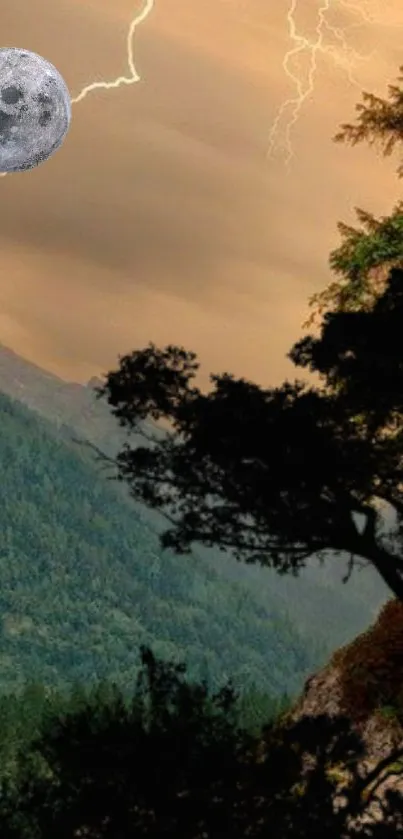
point(84, 581)
point(171, 759)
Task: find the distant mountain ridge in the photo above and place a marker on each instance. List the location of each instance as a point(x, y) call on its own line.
point(64, 403)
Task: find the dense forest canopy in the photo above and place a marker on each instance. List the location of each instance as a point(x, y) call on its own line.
point(174, 760)
point(91, 583)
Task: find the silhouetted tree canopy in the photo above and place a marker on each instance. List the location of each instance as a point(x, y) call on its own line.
point(360, 356)
point(275, 474)
point(173, 762)
point(278, 474)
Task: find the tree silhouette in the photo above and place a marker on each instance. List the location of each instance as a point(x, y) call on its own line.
point(277, 474)
point(174, 762)
point(273, 474)
point(360, 357)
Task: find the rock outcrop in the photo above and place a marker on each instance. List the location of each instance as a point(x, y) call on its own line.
point(364, 682)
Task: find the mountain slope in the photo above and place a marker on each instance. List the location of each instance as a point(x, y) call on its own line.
point(319, 603)
point(83, 582)
point(63, 403)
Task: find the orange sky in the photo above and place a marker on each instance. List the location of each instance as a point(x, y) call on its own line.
point(160, 218)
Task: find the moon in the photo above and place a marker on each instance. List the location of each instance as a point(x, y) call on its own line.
point(35, 109)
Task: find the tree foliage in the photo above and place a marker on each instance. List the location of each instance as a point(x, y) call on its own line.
point(379, 242)
point(379, 122)
point(360, 357)
point(362, 263)
point(277, 474)
point(174, 761)
point(274, 474)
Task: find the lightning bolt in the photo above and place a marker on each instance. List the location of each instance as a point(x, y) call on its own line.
point(133, 76)
point(339, 50)
point(121, 80)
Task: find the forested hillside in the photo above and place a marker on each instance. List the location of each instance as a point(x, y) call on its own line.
point(318, 602)
point(83, 582)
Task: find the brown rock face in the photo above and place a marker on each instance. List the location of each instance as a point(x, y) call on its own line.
point(364, 681)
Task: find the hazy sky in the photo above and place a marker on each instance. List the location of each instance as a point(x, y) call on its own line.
point(161, 217)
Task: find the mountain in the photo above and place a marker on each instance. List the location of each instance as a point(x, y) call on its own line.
point(63, 403)
point(84, 582)
point(317, 602)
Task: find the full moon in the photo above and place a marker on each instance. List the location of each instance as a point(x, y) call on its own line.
point(35, 109)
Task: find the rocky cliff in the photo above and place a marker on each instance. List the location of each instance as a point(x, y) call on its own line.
point(364, 682)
